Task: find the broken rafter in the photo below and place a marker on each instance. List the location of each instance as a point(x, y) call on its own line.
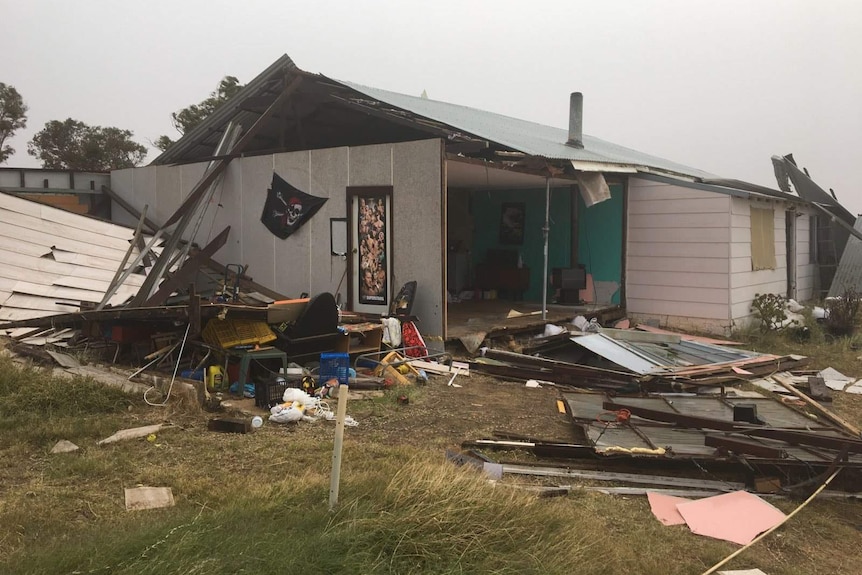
point(218, 168)
point(188, 270)
point(785, 382)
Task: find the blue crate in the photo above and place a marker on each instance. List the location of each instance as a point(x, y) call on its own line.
point(334, 366)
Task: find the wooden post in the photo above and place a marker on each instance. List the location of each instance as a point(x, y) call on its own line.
point(340, 414)
point(785, 382)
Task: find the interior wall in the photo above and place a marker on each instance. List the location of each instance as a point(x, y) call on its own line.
point(486, 210)
point(600, 238)
point(303, 262)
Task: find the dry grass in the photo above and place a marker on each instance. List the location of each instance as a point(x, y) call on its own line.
point(257, 503)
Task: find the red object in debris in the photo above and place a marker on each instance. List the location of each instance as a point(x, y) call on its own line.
point(233, 372)
point(403, 400)
point(130, 334)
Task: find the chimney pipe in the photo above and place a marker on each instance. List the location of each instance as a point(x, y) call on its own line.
point(576, 120)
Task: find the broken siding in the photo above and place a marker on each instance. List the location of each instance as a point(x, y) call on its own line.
point(303, 262)
point(746, 283)
point(52, 260)
point(677, 254)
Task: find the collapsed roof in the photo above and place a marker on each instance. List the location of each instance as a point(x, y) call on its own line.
point(324, 113)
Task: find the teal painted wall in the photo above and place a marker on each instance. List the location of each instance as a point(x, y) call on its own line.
point(600, 238)
point(487, 209)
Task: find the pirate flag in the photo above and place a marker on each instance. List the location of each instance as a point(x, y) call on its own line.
point(286, 208)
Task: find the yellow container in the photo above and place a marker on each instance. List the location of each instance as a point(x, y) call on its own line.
point(215, 377)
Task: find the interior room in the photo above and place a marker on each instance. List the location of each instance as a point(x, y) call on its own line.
point(495, 248)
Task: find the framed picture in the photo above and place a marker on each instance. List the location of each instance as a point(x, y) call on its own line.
point(370, 250)
point(512, 217)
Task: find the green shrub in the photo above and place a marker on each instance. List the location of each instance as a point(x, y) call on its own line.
point(842, 312)
point(769, 308)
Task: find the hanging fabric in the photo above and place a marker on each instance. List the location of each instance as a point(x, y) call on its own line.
point(286, 208)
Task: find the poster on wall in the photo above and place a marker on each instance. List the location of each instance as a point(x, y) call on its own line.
point(372, 235)
point(286, 208)
point(512, 223)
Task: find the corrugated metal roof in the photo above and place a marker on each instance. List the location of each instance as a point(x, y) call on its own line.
point(849, 272)
point(528, 137)
point(51, 260)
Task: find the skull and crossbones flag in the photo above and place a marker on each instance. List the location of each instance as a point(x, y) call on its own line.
point(286, 208)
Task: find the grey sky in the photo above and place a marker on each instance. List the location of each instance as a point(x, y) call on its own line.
point(720, 86)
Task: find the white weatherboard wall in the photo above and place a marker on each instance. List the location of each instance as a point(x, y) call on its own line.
point(678, 255)
point(302, 262)
point(746, 283)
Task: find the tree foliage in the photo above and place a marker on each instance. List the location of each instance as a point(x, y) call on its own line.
point(13, 116)
point(191, 116)
point(73, 145)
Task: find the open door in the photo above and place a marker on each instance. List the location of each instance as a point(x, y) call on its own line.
point(790, 235)
point(369, 259)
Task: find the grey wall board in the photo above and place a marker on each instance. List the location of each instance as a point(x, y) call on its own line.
point(292, 256)
point(329, 169)
point(371, 165)
point(303, 262)
point(122, 182)
point(257, 241)
point(223, 212)
point(417, 202)
point(169, 193)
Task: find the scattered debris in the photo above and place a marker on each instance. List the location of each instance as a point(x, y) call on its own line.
point(664, 508)
point(132, 433)
point(140, 498)
point(738, 517)
point(64, 446)
point(229, 425)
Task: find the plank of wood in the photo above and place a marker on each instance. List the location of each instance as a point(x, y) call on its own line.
point(189, 270)
point(431, 367)
point(785, 381)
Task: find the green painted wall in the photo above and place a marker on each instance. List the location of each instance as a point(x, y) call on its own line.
point(600, 238)
point(600, 233)
point(487, 208)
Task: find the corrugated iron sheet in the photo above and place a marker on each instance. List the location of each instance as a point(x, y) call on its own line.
point(849, 272)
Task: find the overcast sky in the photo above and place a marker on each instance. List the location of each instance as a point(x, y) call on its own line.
point(720, 86)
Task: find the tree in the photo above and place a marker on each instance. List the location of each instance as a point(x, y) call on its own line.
point(73, 145)
point(13, 116)
point(191, 116)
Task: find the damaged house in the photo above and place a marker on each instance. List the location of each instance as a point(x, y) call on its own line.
point(477, 208)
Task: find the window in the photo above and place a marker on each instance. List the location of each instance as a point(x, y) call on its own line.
point(762, 239)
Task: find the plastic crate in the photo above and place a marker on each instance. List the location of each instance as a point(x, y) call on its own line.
point(269, 393)
point(334, 366)
point(229, 333)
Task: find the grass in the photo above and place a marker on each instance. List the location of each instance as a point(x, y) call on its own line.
point(257, 503)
